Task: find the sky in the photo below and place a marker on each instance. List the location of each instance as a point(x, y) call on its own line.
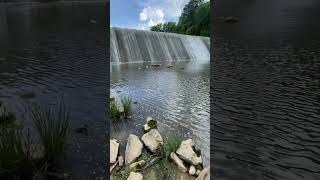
point(141, 14)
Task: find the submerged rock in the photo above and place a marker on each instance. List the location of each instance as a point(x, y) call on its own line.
point(135, 176)
point(192, 170)
point(152, 140)
point(137, 165)
point(204, 174)
point(133, 149)
point(178, 162)
point(114, 148)
point(186, 152)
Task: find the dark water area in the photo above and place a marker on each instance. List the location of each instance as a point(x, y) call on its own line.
point(177, 97)
point(265, 91)
point(54, 50)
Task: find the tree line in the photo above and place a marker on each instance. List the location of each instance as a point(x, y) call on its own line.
point(194, 20)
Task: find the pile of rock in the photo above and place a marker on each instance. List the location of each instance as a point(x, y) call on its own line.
point(186, 157)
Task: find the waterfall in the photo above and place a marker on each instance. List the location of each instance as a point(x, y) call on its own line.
point(129, 45)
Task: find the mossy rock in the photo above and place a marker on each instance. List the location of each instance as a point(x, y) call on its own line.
point(151, 124)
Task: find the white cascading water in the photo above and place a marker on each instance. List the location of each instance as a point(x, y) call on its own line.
point(129, 45)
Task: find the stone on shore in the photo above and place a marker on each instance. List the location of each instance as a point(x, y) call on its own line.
point(133, 149)
point(178, 162)
point(121, 161)
point(204, 174)
point(135, 176)
point(150, 124)
point(192, 170)
point(186, 152)
point(114, 148)
point(137, 165)
point(153, 140)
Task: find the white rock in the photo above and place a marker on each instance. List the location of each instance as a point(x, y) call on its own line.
point(133, 149)
point(135, 176)
point(134, 165)
point(178, 162)
point(114, 147)
point(186, 152)
point(121, 160)
point(204, 174)
point(152, 140)
point(192, 170)
point(198, 172)
point(146, 126)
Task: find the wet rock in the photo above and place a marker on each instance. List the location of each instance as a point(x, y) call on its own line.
point(186, 152)
point(150, 124)
point(82, 130)
point(137, 165)
point(230, 20)
point(121, 161)
point(114, 148)
point(198, 172)
point(133, 149)
point(135, 176)
point(204, 174)
point(192, 170)
point(178, 162)
point(153, 140)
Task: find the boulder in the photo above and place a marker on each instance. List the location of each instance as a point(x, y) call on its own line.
point(152, 140)
point(133, 149)
point(186, 152)
point(178, 162)
point(121, 160)
point(137, 165)
point(135, 176)
point(150, 124)
point(198, 172)
point(192, 170)
point(114, 148)
point(204, 174)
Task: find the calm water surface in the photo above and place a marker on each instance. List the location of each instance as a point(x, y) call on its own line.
point(60, 49)
point(177, 97)
point(266, 103)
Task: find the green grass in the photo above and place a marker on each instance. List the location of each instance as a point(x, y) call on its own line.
point(15, 161)
point(53, 128)
point(114, 110)
point(121, 175)
point(126, 102)
point(172, 142)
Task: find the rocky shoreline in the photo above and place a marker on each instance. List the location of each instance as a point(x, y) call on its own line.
point(186, 157)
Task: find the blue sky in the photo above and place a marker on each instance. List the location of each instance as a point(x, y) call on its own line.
point(141, 14)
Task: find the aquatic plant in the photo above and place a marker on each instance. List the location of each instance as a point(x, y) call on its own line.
point(126, 102)
point(15, 160)
point(53, 128)
point(172, 143)
point(114, 110)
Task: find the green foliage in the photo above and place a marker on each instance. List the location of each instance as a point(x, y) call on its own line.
point(15, 161)
point(172, 142)
point(126, 102)
point(114, 110)
point(121, 175)
point(53, 128)
point(194, 20)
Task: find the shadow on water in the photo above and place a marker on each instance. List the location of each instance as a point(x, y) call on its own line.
point(265, 91)
point(55, 49)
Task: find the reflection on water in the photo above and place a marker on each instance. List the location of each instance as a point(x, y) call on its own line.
point(178, 97)
point(266, 90)
point(53, 50)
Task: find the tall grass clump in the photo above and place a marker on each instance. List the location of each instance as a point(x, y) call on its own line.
point(15, 160)
point(53, 128)
point(126, 102)
point(114, 110)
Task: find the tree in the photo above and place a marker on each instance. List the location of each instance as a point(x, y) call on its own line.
point(157, 27)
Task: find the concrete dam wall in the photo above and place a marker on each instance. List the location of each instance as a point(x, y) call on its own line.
point(128, 45)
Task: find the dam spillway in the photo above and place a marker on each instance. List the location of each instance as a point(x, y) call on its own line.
point(129, 45)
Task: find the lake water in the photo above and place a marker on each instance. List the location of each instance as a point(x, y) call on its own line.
point(266, 103)
point(55, 50)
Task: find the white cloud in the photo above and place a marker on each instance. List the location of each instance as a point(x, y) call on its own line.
point(151, 16)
